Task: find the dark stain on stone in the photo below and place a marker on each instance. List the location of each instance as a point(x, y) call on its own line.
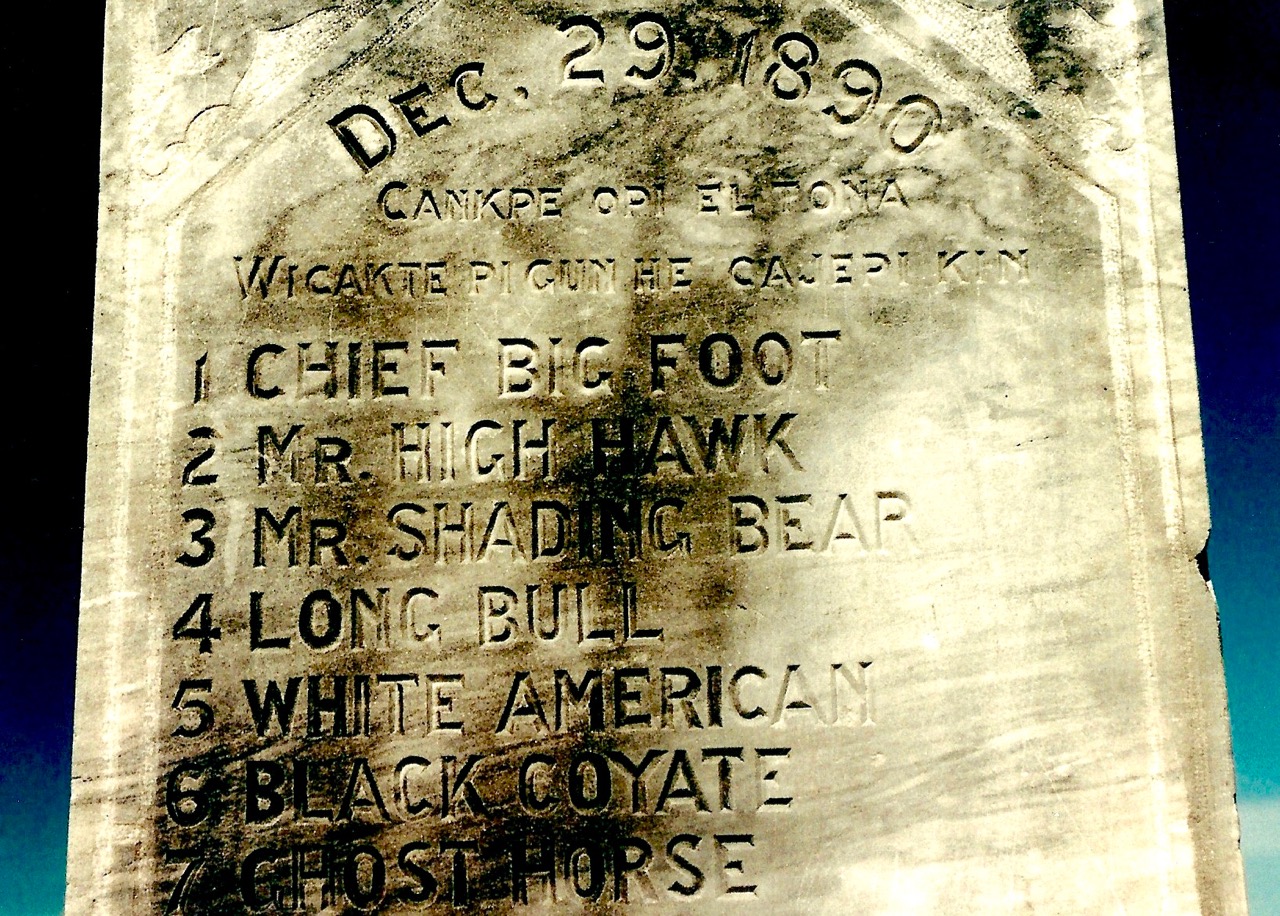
point(552, 13)
point(587, 141)
point(767, 14)
point(701, 35)
point(1021, 108)
point(827, 25)
point(1042, 31)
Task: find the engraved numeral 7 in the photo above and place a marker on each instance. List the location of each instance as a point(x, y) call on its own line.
point(183, 888)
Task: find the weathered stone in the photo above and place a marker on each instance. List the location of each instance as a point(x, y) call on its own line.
point(666, 458)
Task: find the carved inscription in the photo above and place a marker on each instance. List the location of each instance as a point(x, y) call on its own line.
point(790, 67)
point(644, 457)
point(526, 545)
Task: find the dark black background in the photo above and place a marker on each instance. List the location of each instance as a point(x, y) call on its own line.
point(1225, 80)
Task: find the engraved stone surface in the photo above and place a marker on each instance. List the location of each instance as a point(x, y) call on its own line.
point(664, 457)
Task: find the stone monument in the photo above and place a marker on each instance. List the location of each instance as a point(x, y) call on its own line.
point(660, 457)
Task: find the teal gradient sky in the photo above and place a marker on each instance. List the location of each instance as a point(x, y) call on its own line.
point(1226, 91)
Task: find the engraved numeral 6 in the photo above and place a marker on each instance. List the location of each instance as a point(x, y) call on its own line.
point(200, 541)
point(203, 711)
point(189, 794)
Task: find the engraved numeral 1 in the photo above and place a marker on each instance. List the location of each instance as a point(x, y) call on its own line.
point(742, 51)
point(202, 379)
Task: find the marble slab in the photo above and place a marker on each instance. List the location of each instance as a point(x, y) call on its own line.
point(667, 458)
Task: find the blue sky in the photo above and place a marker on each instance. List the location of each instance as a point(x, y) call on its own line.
point(1226, 92)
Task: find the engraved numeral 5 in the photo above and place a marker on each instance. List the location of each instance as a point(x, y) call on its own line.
point(203, 711)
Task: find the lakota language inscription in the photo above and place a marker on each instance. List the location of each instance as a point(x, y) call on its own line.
point(662, 457)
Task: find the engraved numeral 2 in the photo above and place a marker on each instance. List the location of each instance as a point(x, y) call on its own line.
point(595, 38)
point(189, 476)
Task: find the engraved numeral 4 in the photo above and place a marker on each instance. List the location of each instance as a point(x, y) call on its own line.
point(197, 623)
